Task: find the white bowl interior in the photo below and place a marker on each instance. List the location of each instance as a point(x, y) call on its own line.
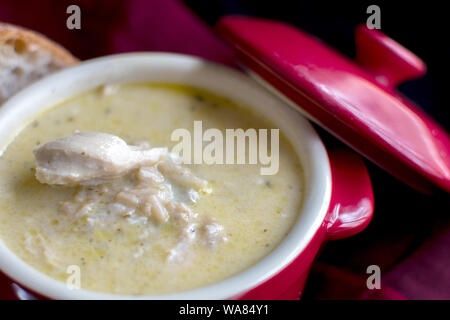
point(179, 69)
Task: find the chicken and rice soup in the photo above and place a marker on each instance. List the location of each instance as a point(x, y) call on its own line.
point(92, 182)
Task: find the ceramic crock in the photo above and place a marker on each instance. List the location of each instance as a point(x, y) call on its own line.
point(337, 199)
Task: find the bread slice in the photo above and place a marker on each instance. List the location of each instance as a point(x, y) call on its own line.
point(26, 56)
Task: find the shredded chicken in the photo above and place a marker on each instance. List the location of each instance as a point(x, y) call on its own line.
point(120, 181)
point(212, 232)
point(39, 246)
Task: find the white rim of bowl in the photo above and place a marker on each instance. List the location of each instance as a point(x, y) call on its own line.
point(187, 70)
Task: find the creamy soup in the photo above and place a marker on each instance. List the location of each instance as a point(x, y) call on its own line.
point(160, 226)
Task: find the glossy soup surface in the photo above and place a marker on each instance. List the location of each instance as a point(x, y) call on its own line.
point(126, 257)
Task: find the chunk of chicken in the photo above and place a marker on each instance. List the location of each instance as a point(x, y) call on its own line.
point(90, 158)
point(182, 176)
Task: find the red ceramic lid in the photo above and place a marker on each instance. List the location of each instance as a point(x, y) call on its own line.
point(355, 101)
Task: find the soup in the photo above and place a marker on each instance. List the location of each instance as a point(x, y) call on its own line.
point(236, 215)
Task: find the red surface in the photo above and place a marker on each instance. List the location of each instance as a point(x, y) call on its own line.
point(6, 290)
point(358, 104)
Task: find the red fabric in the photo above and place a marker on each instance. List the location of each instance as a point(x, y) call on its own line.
point(114, 26)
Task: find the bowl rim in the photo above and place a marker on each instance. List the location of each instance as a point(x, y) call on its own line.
point(190, 70)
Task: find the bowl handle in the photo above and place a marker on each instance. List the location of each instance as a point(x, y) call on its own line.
point(351, 205)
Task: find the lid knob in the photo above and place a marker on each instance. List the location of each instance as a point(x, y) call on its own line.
point(389, 62)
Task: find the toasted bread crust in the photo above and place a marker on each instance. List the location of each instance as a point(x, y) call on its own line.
point(10, 32)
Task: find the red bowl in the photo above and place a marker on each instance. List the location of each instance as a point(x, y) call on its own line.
point(337, 198)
